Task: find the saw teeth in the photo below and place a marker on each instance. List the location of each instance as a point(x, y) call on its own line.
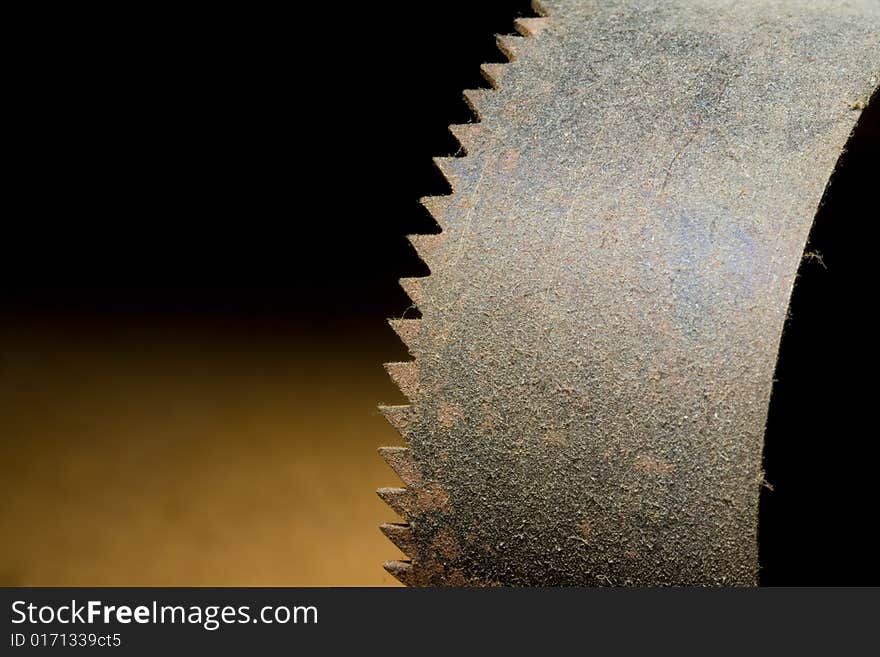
point(426, 246)
point(477, 100)
point(409, 502)
point(406, 376)
point(401, 535)
point(448, 166)
point(539, 8)
point(402, 570)
point(509, 44)
point(493, 73)
point(400, 460)
point(437, 206)
point(529, 27)
point(400, 500)
point(400, 417)
point(413, 289)
point(467, 134)
point(408, 330)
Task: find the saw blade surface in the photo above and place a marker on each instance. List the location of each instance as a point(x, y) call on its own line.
point(599, 330)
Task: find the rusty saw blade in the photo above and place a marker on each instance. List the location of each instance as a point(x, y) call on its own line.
point(594, 361)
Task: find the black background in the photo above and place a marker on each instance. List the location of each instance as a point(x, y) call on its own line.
point(265, 162)
point(239, 160)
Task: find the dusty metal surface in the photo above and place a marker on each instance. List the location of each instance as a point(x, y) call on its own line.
point(599, 330)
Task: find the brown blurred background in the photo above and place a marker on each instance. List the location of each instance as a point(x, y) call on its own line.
point(156, 452)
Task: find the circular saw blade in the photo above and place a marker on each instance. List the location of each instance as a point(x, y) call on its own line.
point(594, 360)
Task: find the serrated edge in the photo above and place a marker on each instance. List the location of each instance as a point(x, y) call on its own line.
point(406, 374)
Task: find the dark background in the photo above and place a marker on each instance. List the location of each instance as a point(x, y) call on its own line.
point(250, 175)
point(240, 161)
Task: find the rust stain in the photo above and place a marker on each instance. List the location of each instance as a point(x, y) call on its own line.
point(414, 291)
point(586, 529)
point(409, 472)
point(650, 464)
point(554, 437)
point(487, 423)
point(428, 573)
point(433, 496)
point(490, 418)
point(509, 159)
point(446, 546)
point(457, 578)
point(410, 378)
point(449, 415)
